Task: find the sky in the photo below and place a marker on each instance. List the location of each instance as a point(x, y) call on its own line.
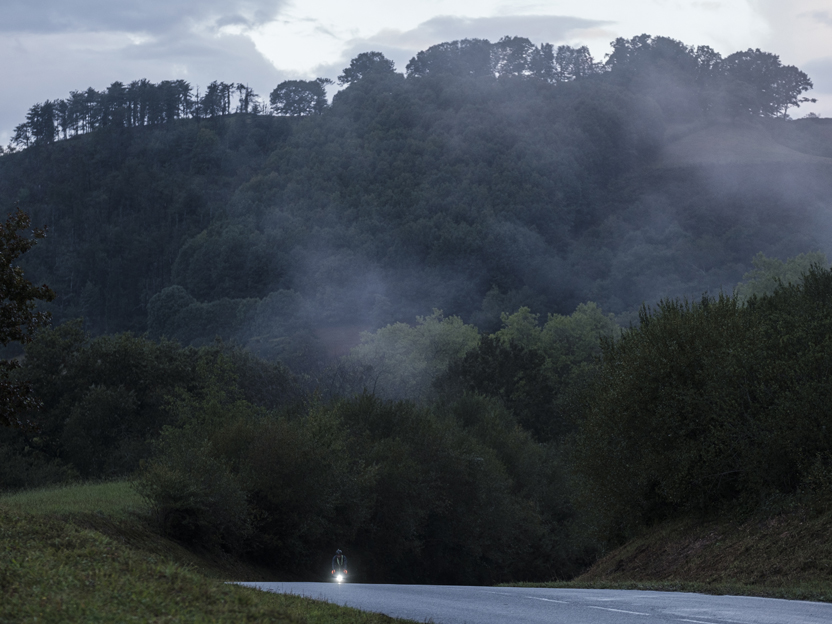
point(51, 47)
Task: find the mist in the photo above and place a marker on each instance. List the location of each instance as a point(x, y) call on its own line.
point(487, 177)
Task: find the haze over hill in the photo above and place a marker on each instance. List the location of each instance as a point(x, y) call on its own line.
point(492, 176)
point(725, 144)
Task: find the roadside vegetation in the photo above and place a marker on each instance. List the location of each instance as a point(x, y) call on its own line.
point(58, 566)
point(509, 413)
point(540, 431)
point(777, 555)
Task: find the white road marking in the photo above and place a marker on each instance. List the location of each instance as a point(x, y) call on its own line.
point(696, 621)
point(619, 610)
point(546, 599)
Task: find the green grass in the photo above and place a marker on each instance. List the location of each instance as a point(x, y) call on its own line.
point(56, 571)
point(85, 553)
point(115, 500)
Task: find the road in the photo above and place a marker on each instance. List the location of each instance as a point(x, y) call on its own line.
point(498, 605)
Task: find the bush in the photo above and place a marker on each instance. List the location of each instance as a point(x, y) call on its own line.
point(409, 491)
point(707, 403)
point(193, 495)
point(105, 399)
point(24, 467)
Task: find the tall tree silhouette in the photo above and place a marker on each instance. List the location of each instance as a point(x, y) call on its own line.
point(19, 317)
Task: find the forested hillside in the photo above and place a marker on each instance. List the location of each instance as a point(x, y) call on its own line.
point(494, 219)
point(488, 177)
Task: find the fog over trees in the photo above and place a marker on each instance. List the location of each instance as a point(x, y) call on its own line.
point(431, 295)
point(489, 176)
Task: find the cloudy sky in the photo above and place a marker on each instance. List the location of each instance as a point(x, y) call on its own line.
point(50, 47)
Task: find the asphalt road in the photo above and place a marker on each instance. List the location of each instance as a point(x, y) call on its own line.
point(498, 605)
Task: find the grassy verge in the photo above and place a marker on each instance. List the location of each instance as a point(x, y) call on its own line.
point(63, 564)
point(784, 556)
point(114, 500)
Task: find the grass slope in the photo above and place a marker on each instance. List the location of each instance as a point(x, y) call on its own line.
point(115, 500)
point(785, 556)
point(737, 144)
point(65, 559)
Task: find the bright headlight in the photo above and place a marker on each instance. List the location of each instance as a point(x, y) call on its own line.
point(339, 578)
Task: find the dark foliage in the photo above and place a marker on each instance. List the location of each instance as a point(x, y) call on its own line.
point(414, 495)
point(298, 98)
point(105, 399)
point(708, 403)
point(513, 374)
point(19, 316)
point(492, 167)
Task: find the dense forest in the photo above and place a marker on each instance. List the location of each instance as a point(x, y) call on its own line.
point(429, 320)
point(489, 177)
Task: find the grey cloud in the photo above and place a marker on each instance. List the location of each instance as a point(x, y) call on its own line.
point(229, 57)
point(820, 71)
point(824, 17)
point(97, 60)
point(538, 28)
point(233, 20)
point(50, 16)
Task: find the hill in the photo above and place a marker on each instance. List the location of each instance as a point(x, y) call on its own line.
point(473, 197)
point(490, 177)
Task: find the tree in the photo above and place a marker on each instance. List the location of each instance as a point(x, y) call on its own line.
point(298, 98)
point(92, 109)
point(777, 88)
point(18, 317)
point(542, 64)
point(213, 102)
point(512, 56)
point(513, 374)
point(113, 105)
point(22, 136)
point(77, 112)
point(788, 86)
point(247, 102)
point(407, 360)
point(661, 68)
point(645, 51)
point(573, 63)
point(41, 122)
point(62, 117)
point(769, 274)
point(466, 57)
point(366, 64)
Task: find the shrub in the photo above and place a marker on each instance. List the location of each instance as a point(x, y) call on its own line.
point(706, 403)
point(193, 495)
